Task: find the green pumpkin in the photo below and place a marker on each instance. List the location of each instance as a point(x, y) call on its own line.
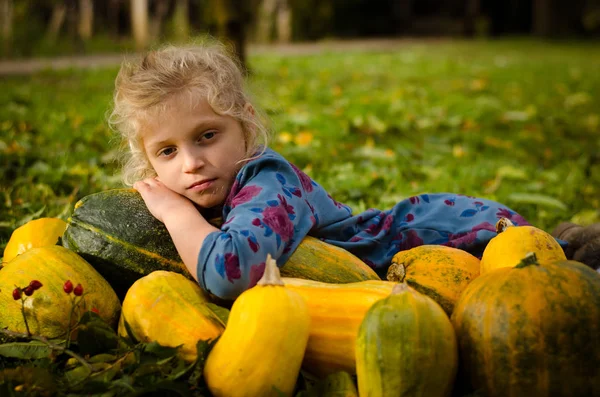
point(336, 384)
point(406, 346)
point(115, 232)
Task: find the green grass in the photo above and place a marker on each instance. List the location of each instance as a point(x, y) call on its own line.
point(515, 121)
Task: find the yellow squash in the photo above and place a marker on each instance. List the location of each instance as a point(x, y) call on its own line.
point(440, 272)
point(317, 260)
point(261, 350)
point(170, 309)
point(513, 243)
point(48, 309)
point(37, 233)
point(336, 311)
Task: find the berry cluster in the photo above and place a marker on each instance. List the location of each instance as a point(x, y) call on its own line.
point(34, 285)
point(68, 288)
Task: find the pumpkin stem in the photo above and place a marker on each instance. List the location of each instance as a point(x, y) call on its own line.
point(502, 224)
point(399, 288)
point(396, 272)
point(528, 260)
point(271, 275)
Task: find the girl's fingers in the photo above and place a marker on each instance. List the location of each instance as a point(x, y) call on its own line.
point(152, 182)
point(146, 183)
point(139, 185)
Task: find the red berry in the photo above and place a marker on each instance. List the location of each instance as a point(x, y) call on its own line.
point(78, 290)
point(16, 294)
point(35, 284)
point(68, 286)
point(28, 290)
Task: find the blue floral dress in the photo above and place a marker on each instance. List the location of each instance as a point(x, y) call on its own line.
point(273, 205)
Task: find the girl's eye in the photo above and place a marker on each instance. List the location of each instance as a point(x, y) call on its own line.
point(166, 152)
point(209, 135)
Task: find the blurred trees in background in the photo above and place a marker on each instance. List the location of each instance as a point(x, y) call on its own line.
point(34, 27)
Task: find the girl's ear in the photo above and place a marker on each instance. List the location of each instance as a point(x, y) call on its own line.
point(249, 108)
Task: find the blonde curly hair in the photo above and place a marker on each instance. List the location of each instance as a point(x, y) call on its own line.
point(204, 70)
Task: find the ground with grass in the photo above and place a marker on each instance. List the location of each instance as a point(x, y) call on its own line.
point(515, 121)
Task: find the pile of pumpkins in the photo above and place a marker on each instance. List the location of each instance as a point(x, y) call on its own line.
point(522, 321)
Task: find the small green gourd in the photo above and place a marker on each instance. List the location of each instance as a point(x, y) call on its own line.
point(406, 346)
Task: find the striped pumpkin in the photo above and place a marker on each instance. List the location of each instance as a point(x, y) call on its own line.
point(48, 309)
point(440, 272)
point(170, 309)
point(532, 330)
point(406, 346)
point(319, 261)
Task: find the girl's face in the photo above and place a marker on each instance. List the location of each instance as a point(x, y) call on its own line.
point(195, 152)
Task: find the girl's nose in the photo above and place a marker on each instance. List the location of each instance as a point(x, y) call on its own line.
point(192, 162)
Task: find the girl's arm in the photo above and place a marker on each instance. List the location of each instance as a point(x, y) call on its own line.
point(266, 214)
point(188, 230)
point(185, 224)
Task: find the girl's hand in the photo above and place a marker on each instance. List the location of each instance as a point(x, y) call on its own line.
point(181, 218)
point(160, 200)
point(584, 242)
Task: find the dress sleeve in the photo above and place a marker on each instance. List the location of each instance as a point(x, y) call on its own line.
point(266, 213)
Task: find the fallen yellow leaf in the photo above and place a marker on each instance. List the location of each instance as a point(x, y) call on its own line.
point(478, 85)
point(284, 137)
point(458, 151)
point(304, 138)
point(498, 143)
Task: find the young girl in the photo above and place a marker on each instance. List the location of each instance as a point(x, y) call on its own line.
point(197, 143)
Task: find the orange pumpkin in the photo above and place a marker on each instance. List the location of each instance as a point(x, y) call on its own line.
point(440, 272)
point(531, 330)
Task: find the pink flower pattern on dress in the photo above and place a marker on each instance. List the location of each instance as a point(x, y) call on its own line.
point(337, 204)
point(513, 216)
point(232, 267)
point(411, 240)
point(466, 238)
point(305, 180)
point(278, 220)
point(256, 272)
point(246, 194)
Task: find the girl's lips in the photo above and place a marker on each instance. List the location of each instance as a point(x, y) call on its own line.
point(202, 185)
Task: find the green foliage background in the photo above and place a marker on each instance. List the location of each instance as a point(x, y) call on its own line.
point(517, 121)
